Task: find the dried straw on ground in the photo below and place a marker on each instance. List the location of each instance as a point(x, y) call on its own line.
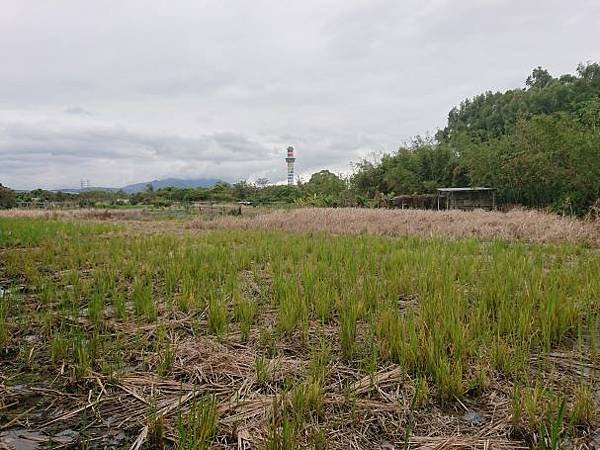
point(523, 225)
point(518, 224)
point(94, 214)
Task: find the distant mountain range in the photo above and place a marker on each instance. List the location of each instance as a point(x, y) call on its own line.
point(156, 184)
point(171, 182)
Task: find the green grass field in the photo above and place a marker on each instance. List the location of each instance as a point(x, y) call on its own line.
point(264, 339)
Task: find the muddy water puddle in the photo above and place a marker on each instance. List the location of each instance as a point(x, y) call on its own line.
point(24, 439)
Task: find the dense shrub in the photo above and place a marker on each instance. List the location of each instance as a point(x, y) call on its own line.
point(7, 198)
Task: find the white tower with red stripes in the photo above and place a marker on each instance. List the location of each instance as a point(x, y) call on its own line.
point(290, 160)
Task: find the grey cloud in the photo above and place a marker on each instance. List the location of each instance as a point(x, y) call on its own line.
point(120, 143)
point(61, 155)
point(77, 110)
point(196, 88)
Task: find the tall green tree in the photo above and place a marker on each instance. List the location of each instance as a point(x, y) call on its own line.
point(7, 197)
point(325, 183)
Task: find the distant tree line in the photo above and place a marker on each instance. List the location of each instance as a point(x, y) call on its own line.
point(324, 188)
point(83, 199)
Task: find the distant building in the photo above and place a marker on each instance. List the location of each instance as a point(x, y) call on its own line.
point(290, 160)
point(466, 198)
point(447, 198)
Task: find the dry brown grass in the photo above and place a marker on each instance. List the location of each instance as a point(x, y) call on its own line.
point(517, 224)
point(95, 214)
point(522, 225)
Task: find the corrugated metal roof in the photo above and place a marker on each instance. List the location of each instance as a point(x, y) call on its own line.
point(461, 189)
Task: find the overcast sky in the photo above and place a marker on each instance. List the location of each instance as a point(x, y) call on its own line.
point(126, 91)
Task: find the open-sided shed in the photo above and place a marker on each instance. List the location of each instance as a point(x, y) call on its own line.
point(466, 198)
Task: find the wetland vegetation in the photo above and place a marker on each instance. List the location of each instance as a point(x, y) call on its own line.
point(263, 338)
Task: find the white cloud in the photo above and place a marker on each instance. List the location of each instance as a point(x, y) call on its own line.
point(121, 91)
